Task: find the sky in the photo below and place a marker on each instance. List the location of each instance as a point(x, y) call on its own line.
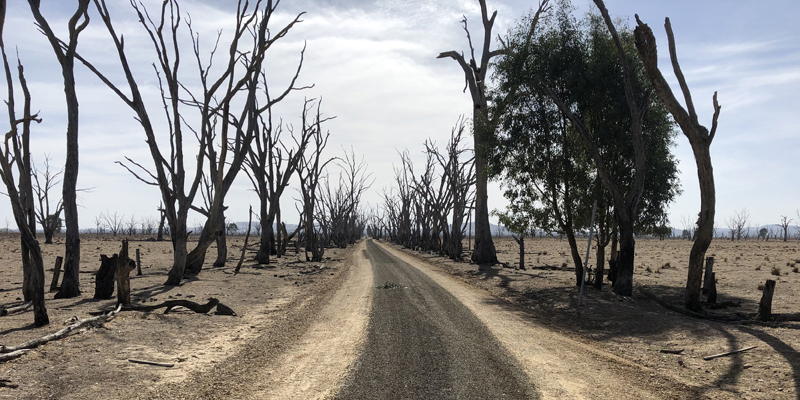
point(373, 64)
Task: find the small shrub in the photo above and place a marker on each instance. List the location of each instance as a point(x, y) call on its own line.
point(758, 268)
point(648, 269)
point(766, 258)
point(725, 259)
point(775, 271)
point(666, 266)
point(563, 266)
point(658, 271)
point(760, 286)
point(795, 270)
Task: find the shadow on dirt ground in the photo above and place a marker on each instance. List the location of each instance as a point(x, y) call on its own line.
point(636, 328)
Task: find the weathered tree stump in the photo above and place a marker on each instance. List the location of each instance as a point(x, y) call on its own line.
point(123, 274)
point(707, 275)
point(765, 306)
point(56, 274)
point(138, 264)
point(712, 288)
point(104, 278)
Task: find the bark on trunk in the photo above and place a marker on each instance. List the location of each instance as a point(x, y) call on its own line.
point(576, 256)
point(179, 253)
point(765, 305)
point(705, 229)
point(601, 265)
point(485, 252)
point(262, 257)
point(104, 278)
point(623, 285)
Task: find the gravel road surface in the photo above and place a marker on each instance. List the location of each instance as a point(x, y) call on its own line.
point(423, 343)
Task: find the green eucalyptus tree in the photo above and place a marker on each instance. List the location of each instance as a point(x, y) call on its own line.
point(543, 156)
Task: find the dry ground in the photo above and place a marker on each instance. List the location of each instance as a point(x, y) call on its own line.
point(220, 356)
point(270, 301)
point(636, 328)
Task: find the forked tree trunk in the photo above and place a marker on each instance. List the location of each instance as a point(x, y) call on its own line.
point(179, 253)
point(699, 138)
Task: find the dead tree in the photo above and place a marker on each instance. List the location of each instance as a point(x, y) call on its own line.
point(239, 75)
point(700, 139)
point(459, 177)
point(310, 170)
point(785, 221)
point(114, 222)
point(16, 152)
point(65, 53)
point(270, 165)
point(475, 77)
point(340, 207)
point(43, 183)
point(625, 204)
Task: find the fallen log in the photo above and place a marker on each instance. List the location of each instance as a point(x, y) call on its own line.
point(16, 309)
point(99, 320)
point(728, 353)
point(158, 364)
point(170, 304)
point(7, 383)
point(13, 355)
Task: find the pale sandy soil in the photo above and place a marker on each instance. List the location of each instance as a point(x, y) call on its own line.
point(93, 363)
point(296, 334)
point(635, 329)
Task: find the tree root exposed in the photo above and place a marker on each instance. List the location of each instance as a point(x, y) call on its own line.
point(11, 352)
point(196, 307)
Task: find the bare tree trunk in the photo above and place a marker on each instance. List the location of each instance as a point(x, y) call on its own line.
point(222, 245)
point(66, 56)
point(576, 257)
point(623, 284)
point(700, 139)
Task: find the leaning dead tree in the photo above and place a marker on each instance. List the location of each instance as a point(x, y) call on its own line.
point(15, 152)
point(220, 123)
point(43, 183)
point(699, 137)
point(65, 52)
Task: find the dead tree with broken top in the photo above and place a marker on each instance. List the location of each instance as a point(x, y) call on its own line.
point(700, 139)
point(220, 123)
point(15, 152)
point(65, 52)
point(475, 77)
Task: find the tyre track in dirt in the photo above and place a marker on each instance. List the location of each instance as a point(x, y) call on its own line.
point(559, 367)
point(423, 343)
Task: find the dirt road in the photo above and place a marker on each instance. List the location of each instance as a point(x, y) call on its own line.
point(432, 336)
point(423, 343)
